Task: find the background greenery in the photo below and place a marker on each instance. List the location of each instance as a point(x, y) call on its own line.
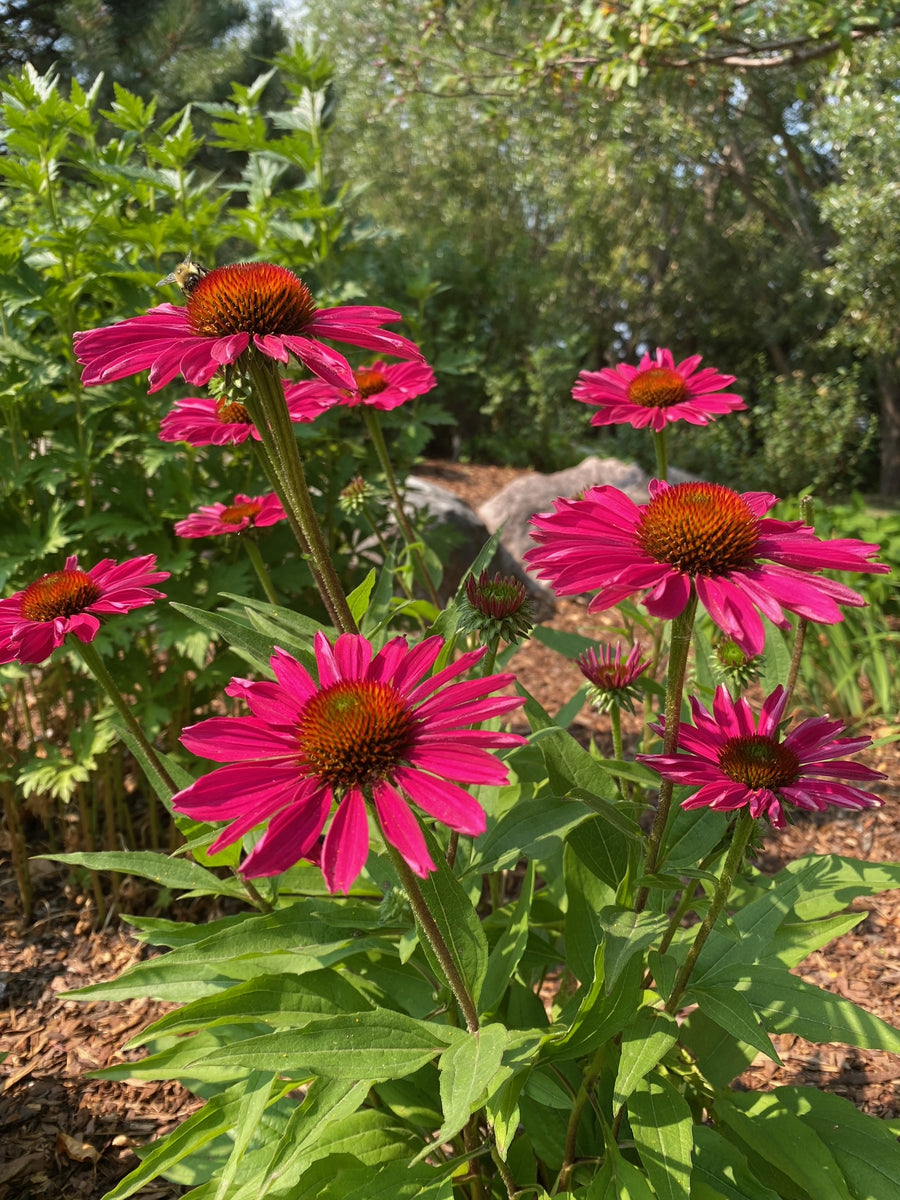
point(536, 200)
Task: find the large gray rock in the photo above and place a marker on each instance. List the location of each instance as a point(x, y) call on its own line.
point(514, 507)
point(458, 535)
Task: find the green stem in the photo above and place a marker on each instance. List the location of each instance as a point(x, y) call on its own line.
point(589, 1078)
point(682, 626)
point(615, 725)
point(269, 412)
point(95, 665)
point(409, 535)
point(742, 831)
point(428, 925)
point(260, 568)
point(268, 465)
point(808, 516)
point(662, 453)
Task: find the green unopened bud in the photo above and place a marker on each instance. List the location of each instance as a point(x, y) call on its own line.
point(613, 682)
point(356, 495)
point(496, 608)
point(733, 667)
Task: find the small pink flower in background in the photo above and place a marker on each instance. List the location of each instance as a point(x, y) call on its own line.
point(657, 392)
point(229, 309)
point(206, 421)
point(212, 520)
point(376, 727)
point(700, 535)
point(35, 621)
point(612, 680)
point(382, 385)
point(738, 763)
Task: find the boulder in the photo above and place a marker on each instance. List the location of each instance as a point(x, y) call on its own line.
point(517, 503)
point(458, 535)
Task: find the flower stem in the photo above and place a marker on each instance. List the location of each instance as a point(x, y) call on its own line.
point(428, 925)
point(660, 441)
point(268, 410)
point(615, 726)
point(741, 837)
point(259, 567)
point(97, 668)
point(409, 535)
point(682, 627)
point(274, 479)
point(589, 1078)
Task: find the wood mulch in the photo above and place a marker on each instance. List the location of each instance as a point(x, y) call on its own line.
point(67, 1135)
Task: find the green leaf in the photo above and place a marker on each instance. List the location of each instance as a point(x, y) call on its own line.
point(502, 1110)
point(770, 1131)
point(509, 948)
point(274, 1000)
point(355, 1046)
point(866, 1151)
point(721, 1170)
point(358, 600)
point(252, 646)
point(215, 1118)
point(586, 897)
point(790, 1005)
point(528, 830)
point(732, 1012)
point(466, 1068)
point(626, 934)
point(600, 1015)
point(176, 873)
point(663, 1134)
point(253, 1104)
point(644, 1042)
point(456, 919)
point(603, 849)
point(619, 1179)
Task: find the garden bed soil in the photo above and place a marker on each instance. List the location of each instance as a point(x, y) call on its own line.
point(65, 1134)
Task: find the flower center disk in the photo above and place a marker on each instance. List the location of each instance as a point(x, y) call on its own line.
point(355, 732)
point(235, 513)
point(60, 594)
point(369, 383)
point(658, 387)
point(759, 762)
point(229, 412)
point(700, 529)
point(259, 298)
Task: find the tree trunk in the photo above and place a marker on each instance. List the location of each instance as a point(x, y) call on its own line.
point(889, 394)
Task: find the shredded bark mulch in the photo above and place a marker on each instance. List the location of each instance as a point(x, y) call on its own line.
point(67, 1135)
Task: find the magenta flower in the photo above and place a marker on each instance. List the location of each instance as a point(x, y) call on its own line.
point(206, 421)
point(656, 393)
point(374, 732)
point(737, 763)
point(612, 680)
point(702, 536)
point(383, 385)
point(229, 309)
point(35, 621)
point(212, 520)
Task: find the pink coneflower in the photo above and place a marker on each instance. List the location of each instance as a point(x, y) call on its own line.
point(213, 520)
point(612, 680)
point(207, 421)
point(382, 385)
point(35, 621)
point(374, 730)
point(738, 763)
point(229, 309)
point(700, 535)
point(656, 393)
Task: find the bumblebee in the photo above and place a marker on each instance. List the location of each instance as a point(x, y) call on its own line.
point(186, 275)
